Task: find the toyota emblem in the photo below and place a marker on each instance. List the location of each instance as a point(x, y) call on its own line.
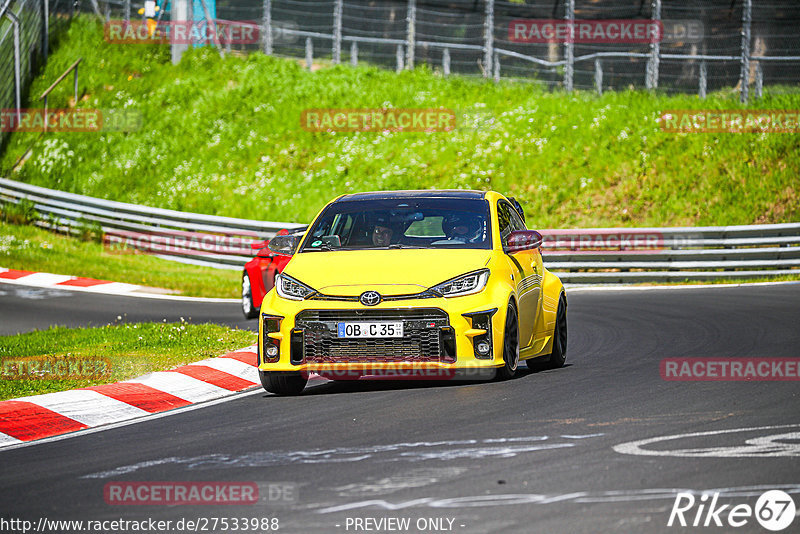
point(370, 298)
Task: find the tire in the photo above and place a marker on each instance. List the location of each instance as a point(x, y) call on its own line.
point(559, 354)
point(248, 308)
point(510, 345)
point(283, 383)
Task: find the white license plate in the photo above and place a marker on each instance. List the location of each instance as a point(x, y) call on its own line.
point(372, 329)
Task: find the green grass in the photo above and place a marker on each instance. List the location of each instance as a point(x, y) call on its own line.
point(34, 249)
point(131, 349)
point(223, 137)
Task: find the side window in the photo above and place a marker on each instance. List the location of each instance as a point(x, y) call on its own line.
point(504, 219)
point(516, 221)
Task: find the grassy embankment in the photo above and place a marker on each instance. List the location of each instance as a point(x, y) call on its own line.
point(126, 350)
point(223, 136)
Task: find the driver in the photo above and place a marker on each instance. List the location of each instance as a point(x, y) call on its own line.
point(382, 233)
point(464, 227)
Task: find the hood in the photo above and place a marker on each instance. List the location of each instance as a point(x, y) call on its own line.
point(390, 272)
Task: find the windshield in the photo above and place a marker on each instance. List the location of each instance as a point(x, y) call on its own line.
point(401, 223)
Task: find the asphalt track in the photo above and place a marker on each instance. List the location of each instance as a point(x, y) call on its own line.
point(540, 453)
point(26, 308)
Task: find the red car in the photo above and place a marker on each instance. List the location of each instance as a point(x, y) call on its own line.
point(258, 276)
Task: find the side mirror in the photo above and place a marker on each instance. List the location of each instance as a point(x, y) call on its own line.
point(258, 245)
point(520, 240)
point(285, 245)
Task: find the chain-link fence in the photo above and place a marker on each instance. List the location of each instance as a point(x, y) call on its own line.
point(703, 45)
point(26, 29)
point(699, 46)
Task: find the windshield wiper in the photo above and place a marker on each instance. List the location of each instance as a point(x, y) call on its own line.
point(400, 245)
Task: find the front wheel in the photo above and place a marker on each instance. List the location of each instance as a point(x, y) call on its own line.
point(559, 354)
point(283, 383)
point(510, 345)
point(248, 308)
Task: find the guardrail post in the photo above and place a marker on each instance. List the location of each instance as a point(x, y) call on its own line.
point(337, 32)
point(309, 53)
point(411, 30)
point(496, 66)
point(759, 80)
point(651, 81)
point(747, 18)
point(266, 26)
point(354, 53)
point(488, 39)
point(399, 57)
point(569, 47)
point(446, 62)
point(126, 10)
point(598, 76)
point(703, 79)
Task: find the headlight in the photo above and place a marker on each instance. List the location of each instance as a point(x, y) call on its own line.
point(466, 284)
point(289, 288)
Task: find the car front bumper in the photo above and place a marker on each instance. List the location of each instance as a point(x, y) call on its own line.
point(440, 336)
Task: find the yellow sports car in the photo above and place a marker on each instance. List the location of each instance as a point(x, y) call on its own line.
point(411, 284)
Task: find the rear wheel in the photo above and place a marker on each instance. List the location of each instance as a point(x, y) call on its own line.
point(248, 308)
point(559, 354)
point(510, 345)
point(283, 383)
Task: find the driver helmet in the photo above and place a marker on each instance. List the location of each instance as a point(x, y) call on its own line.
point(464, 226)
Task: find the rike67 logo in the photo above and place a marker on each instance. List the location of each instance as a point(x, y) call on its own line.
point(774, 510)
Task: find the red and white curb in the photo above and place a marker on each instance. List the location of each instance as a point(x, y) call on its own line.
point(92, 285)
point(52, 414)
point(30, 278)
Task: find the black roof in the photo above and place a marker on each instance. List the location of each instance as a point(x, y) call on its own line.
point(421, 193)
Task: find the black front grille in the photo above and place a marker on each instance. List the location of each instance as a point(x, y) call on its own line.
point(423, 330)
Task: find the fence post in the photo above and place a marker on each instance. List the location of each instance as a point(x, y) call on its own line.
point(126, 12)
point(337, 32)
point(17, 75)
point(569, 46)
point(488, 39)
point(75, 84)
point(446, 62)
point(598, 76)
point(411, 30)
point(267, 27)
point(46, 36)
point(354, 53)
point(309, 53)
point(399, 57)
point(703, 79)
point(651, 81)
point(745, 76)
point(759, 80)
point(496, 66)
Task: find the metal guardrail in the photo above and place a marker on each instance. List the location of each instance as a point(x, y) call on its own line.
point(597, 255)
point(211, 240)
